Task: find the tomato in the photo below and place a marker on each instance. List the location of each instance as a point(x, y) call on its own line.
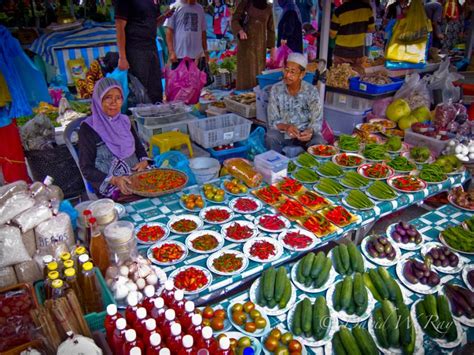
point(237, 307)
point(249, 307)
point(286, 337)
point(233, 343)
point(208, 312)
point(255, 314)
point(206, 322)
point(220, 313)
point(276, 333)
point(281, 350)
point(244, 342)
point(239, 317)
point(271, 343)
point(250, 327)
point(260, 322)
point(295, 353)
point(217, 323)
point(294, 345)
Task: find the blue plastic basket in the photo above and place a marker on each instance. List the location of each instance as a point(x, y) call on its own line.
point(239, 151)
point(357, 85)
point(273, 78)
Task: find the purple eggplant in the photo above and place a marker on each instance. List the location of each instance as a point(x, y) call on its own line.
point(379, 247)
point(434, 279)
point(371, 250)
point(453, 260)
point(382, 255)
point(427, 273)
point(418, 273)
point(400, 230)
point(383, 240)
point(419, 265)
point(434, 253)
point(396, 237)
point(418, 239)
point(442, 257)
point(388, 248)
point(462, 298)
point(408, 273)
point(404, 225)
point(437, 262)
point(467, 294)
point(424, 280)
point(470, 278)
point(411, 233)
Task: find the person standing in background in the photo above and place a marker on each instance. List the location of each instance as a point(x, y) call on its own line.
point(306, 8)
point(434, 12)
point(290, 30)
point(221, 18)
point(136, 22)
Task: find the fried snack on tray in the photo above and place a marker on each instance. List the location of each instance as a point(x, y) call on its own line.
point(339, 76)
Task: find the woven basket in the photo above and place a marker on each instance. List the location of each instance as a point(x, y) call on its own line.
point(156, 193)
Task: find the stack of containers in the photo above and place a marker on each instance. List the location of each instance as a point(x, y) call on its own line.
point(120, 241)
point(272, 165)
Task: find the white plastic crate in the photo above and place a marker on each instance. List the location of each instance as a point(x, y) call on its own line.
point(215, 111)
point(219, 130)
point(145, 132)
point(342, 121)
point(160, 114)
point(247, 111)
point(348, 102)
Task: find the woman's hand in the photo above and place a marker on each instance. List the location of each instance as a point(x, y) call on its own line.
point(242, 35)
point(141, 166)
point(123, 63)
point(122, 182)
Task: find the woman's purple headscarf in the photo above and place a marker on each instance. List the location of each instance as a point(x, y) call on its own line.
point(289, 5)
point(114, 131)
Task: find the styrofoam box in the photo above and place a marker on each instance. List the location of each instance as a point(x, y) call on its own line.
point(342, 121)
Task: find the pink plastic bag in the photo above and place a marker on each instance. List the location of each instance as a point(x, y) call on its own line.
point(327, 132)
point(281, 56)
point(185, 82)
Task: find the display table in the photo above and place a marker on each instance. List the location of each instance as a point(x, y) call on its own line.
point(430, 225)
point(163, 208)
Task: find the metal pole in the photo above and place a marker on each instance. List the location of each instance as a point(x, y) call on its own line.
point(324, 41)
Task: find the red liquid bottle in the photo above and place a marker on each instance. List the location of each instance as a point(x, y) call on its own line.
point(154, 344)
point(149, 300)
point(224, 347)
point(150, 326)
point(195, 330)
point(178, 303)
point(185, 319)
point(187, 346)
point(110, 319)
point(131, 310)
point(170, 317)
point(207, 341)
point(168, 293)
point(165, 351)
point(175, 341)
point(118, 339)
point(158, 311)
point(131, 341)
point(139, 325)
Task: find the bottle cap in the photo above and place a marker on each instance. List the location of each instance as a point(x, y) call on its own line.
point(178, 295)
point(57, 283)
point(135, 351)
point(52, 266)
point(141, 313)
point(170, 314)
point(165, 351)
point(150, 324)
point(169, 285)
point(224, 343)
point(87, 213)
point(84, 258)
point(159, 302)
point(132, 299)
point(196, 319)
point(175, 329)
point(189, 306)
point(70, 272)
point(111, 309)
point(149, 291)
point(65, 256)
point(155, 339)
point(53, 275)
point(87, 266)
point(188, 341)
point(47, 259)
point(68, 264)
point(130, 335)
point(207, 332)
point(121, 323)
point(92, 220)
point(81, 250)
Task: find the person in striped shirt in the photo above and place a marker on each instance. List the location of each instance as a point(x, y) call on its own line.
point(349, 25)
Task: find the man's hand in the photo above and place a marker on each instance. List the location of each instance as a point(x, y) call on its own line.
point(242, 35)
point(122, 182)
point(173, 57)
point(306, 135)
point(123, 63)
point(292, 131)
point(141, 166)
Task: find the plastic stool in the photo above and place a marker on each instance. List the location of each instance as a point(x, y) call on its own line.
point(169, 140)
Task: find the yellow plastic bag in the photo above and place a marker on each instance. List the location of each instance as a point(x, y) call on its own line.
point(415, 26)
point(5, 97)
point(404, 52)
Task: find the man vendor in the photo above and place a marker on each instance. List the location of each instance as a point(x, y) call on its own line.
point(294, 109)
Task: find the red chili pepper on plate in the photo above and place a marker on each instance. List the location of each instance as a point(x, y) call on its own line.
point(190, 279)
point(262, 250)
point(292, 209)
point(290, 186)
point(246, 204)
point(297, 240)
point(269, 194)
point(338, 215)
point(168, 252)
point(271, 222)
point(217, 215)
point(150, 233)
point(239, 232)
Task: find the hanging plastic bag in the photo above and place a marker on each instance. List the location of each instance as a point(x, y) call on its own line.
point(410, 53)
point(441, 84)
point(185, 82)
point(327, 132)
point(415, 91)
point(122, 77)
point(281, 56)
point(415, 26)
point(256, 142)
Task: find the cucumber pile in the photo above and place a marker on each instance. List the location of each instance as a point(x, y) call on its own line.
point(354, 180)
point(358, 200)
point(330, 187)
point(351, 296)
point(347, 259)
point(383, 286)
point(307, 160)
point(311, 320)
point(357, 342)
point(313, 270)
point(393, 327)
point(459, 238)
point(330, 169)
point(435, 318)
point(306, 175)
point(274, 289)
point(382, 191)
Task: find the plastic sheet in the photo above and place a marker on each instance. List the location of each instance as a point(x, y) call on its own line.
point(14, 206)
point(243, 170)
point(12, 247)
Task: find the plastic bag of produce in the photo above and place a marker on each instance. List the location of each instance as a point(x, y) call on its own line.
point(28, 271)
point(14, 206)
point(447, 113)
point(243, 170)
point(441, 84)
point(380, 106)
point(9, 190)
point(55, 230)
point(7, 277)
point(33, 216)
point(13, 250)
point(415, 91)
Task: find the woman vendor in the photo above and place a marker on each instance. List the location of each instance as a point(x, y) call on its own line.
point(109, 148)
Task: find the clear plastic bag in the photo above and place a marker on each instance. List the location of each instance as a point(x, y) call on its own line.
point(28, 271)
point(55, 230)
point(415, 91)
point(443, 80)
point(380, 106)
point(32, 217)
point(243, 170)
point(38, 133)
point(14, 206)
point(9, 190)
point(13, 250)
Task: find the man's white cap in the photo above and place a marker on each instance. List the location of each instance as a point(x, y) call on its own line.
point(298, 58)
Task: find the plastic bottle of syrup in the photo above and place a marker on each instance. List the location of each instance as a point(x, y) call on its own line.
point(158, 311)
point(131, 341)
point(149, 300)
point(150, 329)
point(59, 289)
point(118, 338)
point(175, 341)
point(98, 247)
point(52, 266)
point(46, 260)
point(224, 346)
point(86, 215)
point(140, 322)
point(207, 341)
point(71, 279)
point(90, 289)
point(187, 346)
point(168, 293)
point(196, 327)
point(178, 303)
point(131, 310)
point(65, 256)
point(48, 284)
point(110, 319)
point(154, 344)
point(170, 317)
point(185, 319)
point(68, 264)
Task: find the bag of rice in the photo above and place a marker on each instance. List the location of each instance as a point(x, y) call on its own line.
point(12, 249)
point(7, 277)
point(14, 206)
point(9, 190)
point(54, 230)
point(29, 241)
point(28, 271)
point(33, 216)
